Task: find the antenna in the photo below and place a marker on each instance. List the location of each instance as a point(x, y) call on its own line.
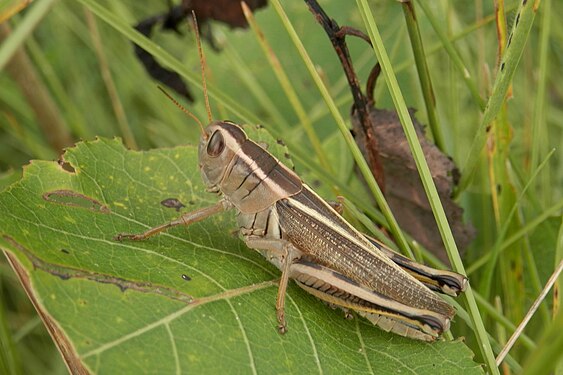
point(204, 135)
point(202, 63)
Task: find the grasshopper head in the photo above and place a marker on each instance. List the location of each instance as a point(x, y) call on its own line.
point(217, 147)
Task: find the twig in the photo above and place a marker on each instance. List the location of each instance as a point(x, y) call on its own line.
point(362, 104)
point(530, 313)
point(372, 80)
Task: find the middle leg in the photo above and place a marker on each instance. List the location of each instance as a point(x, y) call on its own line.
point(282, 254)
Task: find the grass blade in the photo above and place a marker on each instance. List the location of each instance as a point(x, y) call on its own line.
point(509, 63)
point(423, 73)
point(287, 87)
point(427, 181)
point(354, 149)
point(25, 28)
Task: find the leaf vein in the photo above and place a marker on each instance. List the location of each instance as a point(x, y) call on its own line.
point(177, 314)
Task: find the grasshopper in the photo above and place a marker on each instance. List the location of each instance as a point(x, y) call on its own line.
point(308, 241)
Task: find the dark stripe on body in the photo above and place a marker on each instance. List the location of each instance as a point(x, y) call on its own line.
point(452, 280)
point(255, 179)
point(331, 290)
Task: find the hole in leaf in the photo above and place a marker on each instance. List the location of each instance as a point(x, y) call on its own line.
point(66, 166)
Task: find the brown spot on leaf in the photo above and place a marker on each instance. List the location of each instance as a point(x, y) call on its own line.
point(67, 272)
point(74, 199)
point(172, 203)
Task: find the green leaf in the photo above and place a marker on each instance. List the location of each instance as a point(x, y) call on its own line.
point(127, 307)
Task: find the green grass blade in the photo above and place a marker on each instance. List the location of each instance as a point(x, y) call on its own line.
point(462, 314)
point(120, 115)
point(427, 181)
point(288, 89)
point(24, 29)
point(254, 87)
point(76, 120)
point(558, 287)
point(487, 276)
point(549, 353)
point(503, 321)
point(168, 60)
point(509, 63)
point(354, 149)
point(9, 359)
point(539, 132)
point(454, 55)
point(423, 73)
point(526, 229)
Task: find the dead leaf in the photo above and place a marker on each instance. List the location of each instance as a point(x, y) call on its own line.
point(226, 11)
point(403, 188)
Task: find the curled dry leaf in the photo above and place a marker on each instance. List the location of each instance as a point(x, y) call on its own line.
point(380, 136)
point(403, 188)
point(225, 11)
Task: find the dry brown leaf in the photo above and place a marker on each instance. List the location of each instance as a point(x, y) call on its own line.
point(403, 188)
point(226, 11)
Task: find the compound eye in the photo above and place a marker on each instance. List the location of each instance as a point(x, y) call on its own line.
point(216, 144)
